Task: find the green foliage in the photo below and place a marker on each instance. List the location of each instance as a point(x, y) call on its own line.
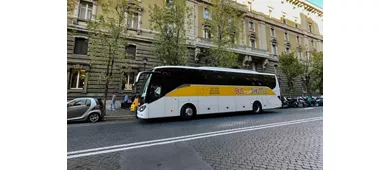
point(108, 34)
point(108, 37)
point(170, 23)
point(224, 24)
point(291, 68)
point(317, 71)
point(70, 6)
point(306, 76)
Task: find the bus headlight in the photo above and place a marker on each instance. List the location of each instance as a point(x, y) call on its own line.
point(142, 108)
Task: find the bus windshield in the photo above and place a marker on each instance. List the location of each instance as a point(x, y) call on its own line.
point(146, 84)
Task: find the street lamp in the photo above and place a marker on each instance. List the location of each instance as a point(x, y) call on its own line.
point(145, 60)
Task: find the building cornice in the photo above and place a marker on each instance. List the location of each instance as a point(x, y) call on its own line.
point(307, 6)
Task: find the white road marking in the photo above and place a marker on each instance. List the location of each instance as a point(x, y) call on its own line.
point(308, 108)
point(117, 148)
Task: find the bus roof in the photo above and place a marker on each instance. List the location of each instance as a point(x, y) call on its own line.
point(216, 69)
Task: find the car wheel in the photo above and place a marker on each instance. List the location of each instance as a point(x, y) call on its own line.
point(300, 104)
point(256, 108)
point(317, 104)
point(187, 112)
point(94, 117)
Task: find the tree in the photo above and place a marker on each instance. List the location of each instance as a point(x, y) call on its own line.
point(108, 37)
point(307, 72)
point(224, 25)
point(317, 72)
point(291, 68)
point(71, 4)
point(169, 22)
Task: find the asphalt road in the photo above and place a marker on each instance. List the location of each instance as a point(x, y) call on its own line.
point(278, 139)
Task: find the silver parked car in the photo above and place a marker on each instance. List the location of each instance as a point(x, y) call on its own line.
point(82, 109)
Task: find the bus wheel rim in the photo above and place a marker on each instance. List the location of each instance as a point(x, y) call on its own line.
point(189, 111)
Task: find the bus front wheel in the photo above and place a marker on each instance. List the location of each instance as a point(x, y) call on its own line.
point(187, 112)
point(256, 108)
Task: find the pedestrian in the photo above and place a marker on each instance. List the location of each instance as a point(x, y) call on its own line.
point(135, 104)
point(113, 100)
point(125, 102)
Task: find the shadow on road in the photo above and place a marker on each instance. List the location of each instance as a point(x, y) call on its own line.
point(207, 116)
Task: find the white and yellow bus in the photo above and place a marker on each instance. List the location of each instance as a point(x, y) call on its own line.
point(189, 91)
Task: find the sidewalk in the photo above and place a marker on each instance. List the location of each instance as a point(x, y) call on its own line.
point(119, 114)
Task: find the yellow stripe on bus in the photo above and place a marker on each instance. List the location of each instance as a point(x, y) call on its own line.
point(209, 90)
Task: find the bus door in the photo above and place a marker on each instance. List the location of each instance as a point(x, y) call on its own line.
point(154, 94)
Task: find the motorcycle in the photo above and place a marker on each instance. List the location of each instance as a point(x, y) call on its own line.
point(311, 101)
point(319, 101)
point(301, 102)
point(289, 102)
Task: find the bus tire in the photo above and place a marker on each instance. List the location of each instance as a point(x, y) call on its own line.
point(256, 108)
point(187, 112)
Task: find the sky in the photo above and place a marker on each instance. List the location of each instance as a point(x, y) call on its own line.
point(319, 3)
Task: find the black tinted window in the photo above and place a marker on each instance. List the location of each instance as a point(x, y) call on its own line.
point(175, 77)
point(81, 46)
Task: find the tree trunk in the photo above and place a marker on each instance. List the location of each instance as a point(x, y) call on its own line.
point(106, 87)
point(290, 86)
point(107, 80)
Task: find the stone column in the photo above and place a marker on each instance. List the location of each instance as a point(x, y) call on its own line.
point(263, 36)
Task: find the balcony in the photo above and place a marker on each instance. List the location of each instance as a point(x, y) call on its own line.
point(240, 49)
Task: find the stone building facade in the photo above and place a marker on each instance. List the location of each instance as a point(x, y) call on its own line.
point(269, 29)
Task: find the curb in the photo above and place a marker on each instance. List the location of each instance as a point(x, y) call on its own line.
point(122, 117)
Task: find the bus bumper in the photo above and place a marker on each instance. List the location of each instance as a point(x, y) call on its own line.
point(141, 112)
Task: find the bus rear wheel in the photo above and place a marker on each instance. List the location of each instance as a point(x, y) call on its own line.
point(187, 112)
point(256, 108)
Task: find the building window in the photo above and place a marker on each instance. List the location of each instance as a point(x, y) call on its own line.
point(81, 46)
point(274, 49)
point(132, 21)
point(206, 13)
point(287, 50)
point(127, 81)
point(77, 79)
point(312, 43)
point(296, 25)
point(252, 43)
point(131, 51)
point(207, 33)
point(251, 26)
point(310, 27)
point(85, 10)
point(272, 32)
point(284, 21)
point(286, 36)
point(298, 40)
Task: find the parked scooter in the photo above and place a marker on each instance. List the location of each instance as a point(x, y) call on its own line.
point(301, 102)
point(319, 101)
point(289, 102)
point(310, 101)
point(284, 102)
